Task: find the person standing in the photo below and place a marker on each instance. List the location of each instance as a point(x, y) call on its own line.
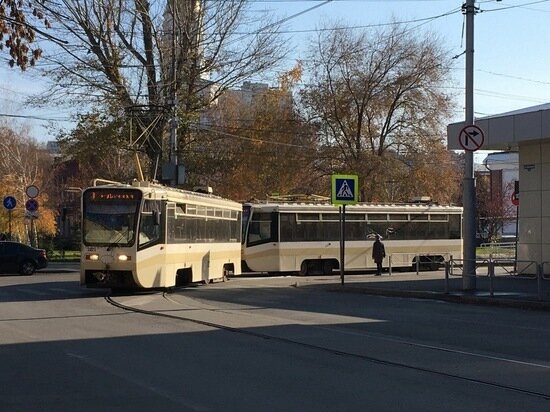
point(378, 254)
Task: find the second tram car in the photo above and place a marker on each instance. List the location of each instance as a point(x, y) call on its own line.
point(304, 237)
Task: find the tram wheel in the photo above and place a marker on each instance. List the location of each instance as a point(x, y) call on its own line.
point(304, 268)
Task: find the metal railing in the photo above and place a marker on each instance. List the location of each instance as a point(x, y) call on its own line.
point(425, 259)
point(528, 277)
point(502, 249)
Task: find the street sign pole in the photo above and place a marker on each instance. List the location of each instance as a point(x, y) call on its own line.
point(469, 196)
point(342, 241)
point(344, 191)
point(9, 203)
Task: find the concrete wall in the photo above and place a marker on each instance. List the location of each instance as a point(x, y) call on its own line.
point(534, 206)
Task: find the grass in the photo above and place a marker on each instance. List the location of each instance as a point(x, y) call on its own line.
point(64, 255)
point(497, 252)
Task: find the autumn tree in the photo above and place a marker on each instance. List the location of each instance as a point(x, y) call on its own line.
point(150, 62)
point(20, 22)
point(377, 100)
point(23, 163)
point(258, 143)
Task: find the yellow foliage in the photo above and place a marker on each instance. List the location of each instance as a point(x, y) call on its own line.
point(45, 222)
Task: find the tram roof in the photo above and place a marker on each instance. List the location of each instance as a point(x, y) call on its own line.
point(359, 207)
point(162, 192)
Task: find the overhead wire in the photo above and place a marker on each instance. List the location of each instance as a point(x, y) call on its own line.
point(422, 20)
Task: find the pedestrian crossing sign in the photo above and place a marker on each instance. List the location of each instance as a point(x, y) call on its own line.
point(345, 189)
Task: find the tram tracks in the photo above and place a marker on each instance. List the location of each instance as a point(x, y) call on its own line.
point(169, 314)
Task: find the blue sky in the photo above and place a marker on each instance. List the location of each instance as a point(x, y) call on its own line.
point(512, 49)
point(512, 45)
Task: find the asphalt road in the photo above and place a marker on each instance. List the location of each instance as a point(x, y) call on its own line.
point(263, 344)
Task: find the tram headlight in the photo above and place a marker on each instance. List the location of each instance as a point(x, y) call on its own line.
point(93, 256)
point(123, 258)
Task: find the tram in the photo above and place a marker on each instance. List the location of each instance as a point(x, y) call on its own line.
point(146, 235)
point(304, 237)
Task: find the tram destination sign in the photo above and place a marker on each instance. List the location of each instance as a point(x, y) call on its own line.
point(110, 195)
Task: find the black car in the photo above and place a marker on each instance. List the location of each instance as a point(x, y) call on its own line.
point(19, 258)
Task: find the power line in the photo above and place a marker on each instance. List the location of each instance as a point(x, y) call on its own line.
point(516, 6)
point(367, 26)
point(29, 117)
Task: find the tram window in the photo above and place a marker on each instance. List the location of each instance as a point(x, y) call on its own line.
point(308, 217)
point(399, 217)
point(331, 231)
point(149, 226)
point(289, 230)
point(454, 226)
point(418, 230)
point(355, 217)
point(263, 228)
point(439, 230)
point(354, 231)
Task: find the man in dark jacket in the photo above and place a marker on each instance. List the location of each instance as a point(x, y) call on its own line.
point(378, 254)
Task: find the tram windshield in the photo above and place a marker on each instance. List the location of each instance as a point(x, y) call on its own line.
point(110, 217)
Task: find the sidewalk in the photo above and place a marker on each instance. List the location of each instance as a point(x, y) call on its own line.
point(509, 291)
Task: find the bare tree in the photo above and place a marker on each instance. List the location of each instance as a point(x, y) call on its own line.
point(378, 102)
point(152, 61)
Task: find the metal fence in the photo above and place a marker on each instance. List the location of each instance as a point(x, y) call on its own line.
point(498, 275)
point(503, 278)
point(430, 261)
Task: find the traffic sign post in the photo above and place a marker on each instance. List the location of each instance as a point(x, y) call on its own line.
point(9, 203)
point(345, 189)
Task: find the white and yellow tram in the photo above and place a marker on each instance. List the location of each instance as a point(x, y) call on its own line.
point(304, 237)
point(146, 235)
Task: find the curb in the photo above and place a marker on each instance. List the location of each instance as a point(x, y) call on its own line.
point(447, 297)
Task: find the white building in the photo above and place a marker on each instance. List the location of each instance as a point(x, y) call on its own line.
point(526, 131)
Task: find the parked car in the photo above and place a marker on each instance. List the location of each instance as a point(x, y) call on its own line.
point(19, 258)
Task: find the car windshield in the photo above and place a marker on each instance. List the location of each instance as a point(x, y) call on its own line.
point(110, 217)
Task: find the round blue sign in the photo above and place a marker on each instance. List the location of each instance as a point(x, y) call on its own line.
point(9, 202)
point(31, 205)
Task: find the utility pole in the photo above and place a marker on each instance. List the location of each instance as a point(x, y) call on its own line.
point(174, 120)
point(469, 194)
